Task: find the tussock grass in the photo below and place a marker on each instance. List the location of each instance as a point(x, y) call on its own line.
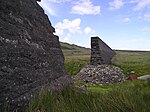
point(74, 66)
point(126, 97)
point(130, 96)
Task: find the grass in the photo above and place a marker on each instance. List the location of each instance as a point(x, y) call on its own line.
point(74, 64)
point(73, 67)
point(133, 61)
point(127, 60)
point(126, 97)
point(130, 96)
point(71, 49)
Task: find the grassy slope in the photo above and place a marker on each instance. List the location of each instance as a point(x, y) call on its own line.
point(77, 57)
point(71, 49)
point(138, 61)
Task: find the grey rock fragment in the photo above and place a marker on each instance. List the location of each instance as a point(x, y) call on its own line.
point(144, 77)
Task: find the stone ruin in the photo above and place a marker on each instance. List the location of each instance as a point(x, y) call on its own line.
point(100, 70)
point(30, 54)
point(101, 53)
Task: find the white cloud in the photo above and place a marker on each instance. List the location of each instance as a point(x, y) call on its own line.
point(147, 16)
point(133, 1)
point(85, 7)
point(72, 26)
point(67, 27)
point(126, 20)
point(66, 38)
point(88, 30)
point(146, 29)
point(47, 7)
point(142, 4)
point(59, 31)
point(59, 1)
point(116, 4)
point(123, 19)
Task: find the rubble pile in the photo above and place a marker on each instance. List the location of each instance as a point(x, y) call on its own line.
point(100, 74)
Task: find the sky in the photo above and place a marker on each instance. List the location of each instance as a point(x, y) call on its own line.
point(122, 24)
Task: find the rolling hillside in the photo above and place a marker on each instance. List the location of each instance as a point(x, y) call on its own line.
point(77, 57)
point(72, 49)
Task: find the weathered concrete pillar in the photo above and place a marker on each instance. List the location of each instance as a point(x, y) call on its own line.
point(101, 53)
point(30, 54)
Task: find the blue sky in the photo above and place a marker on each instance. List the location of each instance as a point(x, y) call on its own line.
point(122, 24)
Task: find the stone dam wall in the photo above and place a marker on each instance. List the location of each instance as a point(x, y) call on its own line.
point(101, 53)
point(30, 54)
point(100, 71)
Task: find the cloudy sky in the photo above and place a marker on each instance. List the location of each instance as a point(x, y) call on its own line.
point(122, 24)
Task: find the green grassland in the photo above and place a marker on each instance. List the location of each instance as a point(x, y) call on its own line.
point(138, 61)
point(73, 50)
point(77, 57)
point(129, 96)
point(126, 97)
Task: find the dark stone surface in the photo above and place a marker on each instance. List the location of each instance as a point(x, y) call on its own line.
point(101, 53)
point(30, 55)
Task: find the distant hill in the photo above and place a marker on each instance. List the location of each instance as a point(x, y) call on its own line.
point(128, 60)
point(72, 49)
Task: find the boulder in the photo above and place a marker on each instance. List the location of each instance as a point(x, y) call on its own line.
point(144, 77)
point(30, 54)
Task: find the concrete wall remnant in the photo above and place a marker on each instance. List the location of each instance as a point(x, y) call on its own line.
point(100, 71)
point(30, 54)
point(101, 53)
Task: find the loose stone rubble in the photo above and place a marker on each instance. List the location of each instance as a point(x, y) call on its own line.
point(100, 74)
